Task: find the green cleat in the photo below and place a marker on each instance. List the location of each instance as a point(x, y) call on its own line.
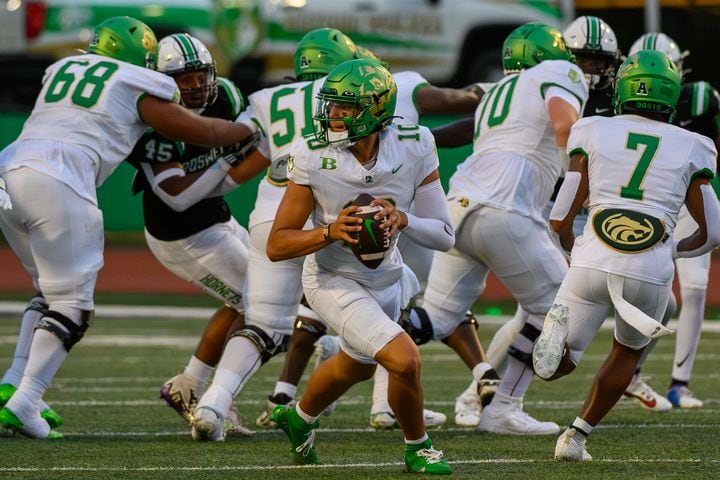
point(6, 391)
point(53, 419)
point(300, 433)
point(423, 458)
point(10, 421)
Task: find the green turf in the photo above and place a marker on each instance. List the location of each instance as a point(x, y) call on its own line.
point(116, 427)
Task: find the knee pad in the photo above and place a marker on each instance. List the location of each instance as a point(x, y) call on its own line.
point(416, 322)
point(264, 343)
point(316, 331)
point(64, 328)
point(38, 304)
point(530, 332)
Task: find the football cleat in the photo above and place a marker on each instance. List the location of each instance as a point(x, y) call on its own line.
point(550, 345)
point(181, 395)
point(487, 386)
point(300, 433)
point(208, 425)
point(325, 347)
point(387, 420)
point(263, 420)
point(467, 410)
point(51, 416)
point(680, 396)
point(424, 458)
point(506, 415)
point(645, 396)
point(36, 427)
point(570, 446)
point(235, 423)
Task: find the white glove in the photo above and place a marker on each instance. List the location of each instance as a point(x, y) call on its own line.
point(5, 203)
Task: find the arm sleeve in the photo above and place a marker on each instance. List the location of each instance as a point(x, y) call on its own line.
point(430, 227)
point(198, 190)
point(712, 217)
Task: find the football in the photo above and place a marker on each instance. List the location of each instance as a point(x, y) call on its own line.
point(372, 240)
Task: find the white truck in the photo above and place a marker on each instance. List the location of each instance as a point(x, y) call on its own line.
point(449, 42)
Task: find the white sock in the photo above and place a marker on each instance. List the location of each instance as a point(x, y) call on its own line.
point(33, 390)
point(418, 441)
point(518, 375)
point(381, 382)
point(198, 370)
point(47, 353)
point(303, 415)
point(287, 388)
point(217, 398)
point(497, 350)
point(479, 370)
point(238, 364)
point(688, 333)
point(22, 350)
point(582, 427)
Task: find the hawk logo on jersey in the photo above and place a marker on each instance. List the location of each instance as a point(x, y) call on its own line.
point(628, 231)
point(642, 89)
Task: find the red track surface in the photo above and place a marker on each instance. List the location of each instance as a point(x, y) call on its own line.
point(137, 271)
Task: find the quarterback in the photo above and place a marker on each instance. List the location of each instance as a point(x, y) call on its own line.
point(357, 150)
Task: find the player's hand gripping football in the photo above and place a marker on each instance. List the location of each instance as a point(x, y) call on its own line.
point(394, 219)
point(346, 226)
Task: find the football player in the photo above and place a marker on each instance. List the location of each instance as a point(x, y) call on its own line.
point(189, 227)
point(635, 171)
point(358, 150)
point(497, 197)
point(594, 45)
point(273, 291)
point(697, 110)
point(91, 111)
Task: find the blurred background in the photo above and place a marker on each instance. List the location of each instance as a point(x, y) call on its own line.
point(449, 42)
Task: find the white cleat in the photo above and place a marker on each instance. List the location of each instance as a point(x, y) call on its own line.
point(680, 396)
point(570, 446)
point(263, 420)
point(505, 415)
point(467, 410)
point(235, 423)
point(387, 421)
point(181, 394)
point(550, 345)
point(646, 397)
point(325, 347)
point(208, 425)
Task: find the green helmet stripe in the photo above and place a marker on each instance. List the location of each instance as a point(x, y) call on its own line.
point(593, 32)
point(187, 47)
point(650, 41)
point(700, 99)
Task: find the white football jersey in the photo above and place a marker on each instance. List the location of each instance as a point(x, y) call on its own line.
point(282, 114)
point(405, 158)
point(515, 161)
point(285, 113)
point(85, 120)
point(408, 82)
point(643, 167)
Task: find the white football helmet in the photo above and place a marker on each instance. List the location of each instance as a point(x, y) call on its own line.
point(595, 47)
point(181, 53)
point(661, 43)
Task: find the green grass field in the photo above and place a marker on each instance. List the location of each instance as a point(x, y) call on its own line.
point(116, 426)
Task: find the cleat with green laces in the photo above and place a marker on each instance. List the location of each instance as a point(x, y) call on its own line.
point(300, 433)
point(51, 416)
point(423, 458)
point(10, 421)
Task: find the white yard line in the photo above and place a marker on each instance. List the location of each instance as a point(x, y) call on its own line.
point(127, 311)
point(325, 466)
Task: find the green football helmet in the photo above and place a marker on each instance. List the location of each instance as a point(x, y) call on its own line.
point(367, 54)
point(365, 88)
point(648, 81)
point(530, 44)
point(126, 39)
point(321, 50)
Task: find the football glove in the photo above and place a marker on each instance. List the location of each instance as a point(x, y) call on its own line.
point(5, 203)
